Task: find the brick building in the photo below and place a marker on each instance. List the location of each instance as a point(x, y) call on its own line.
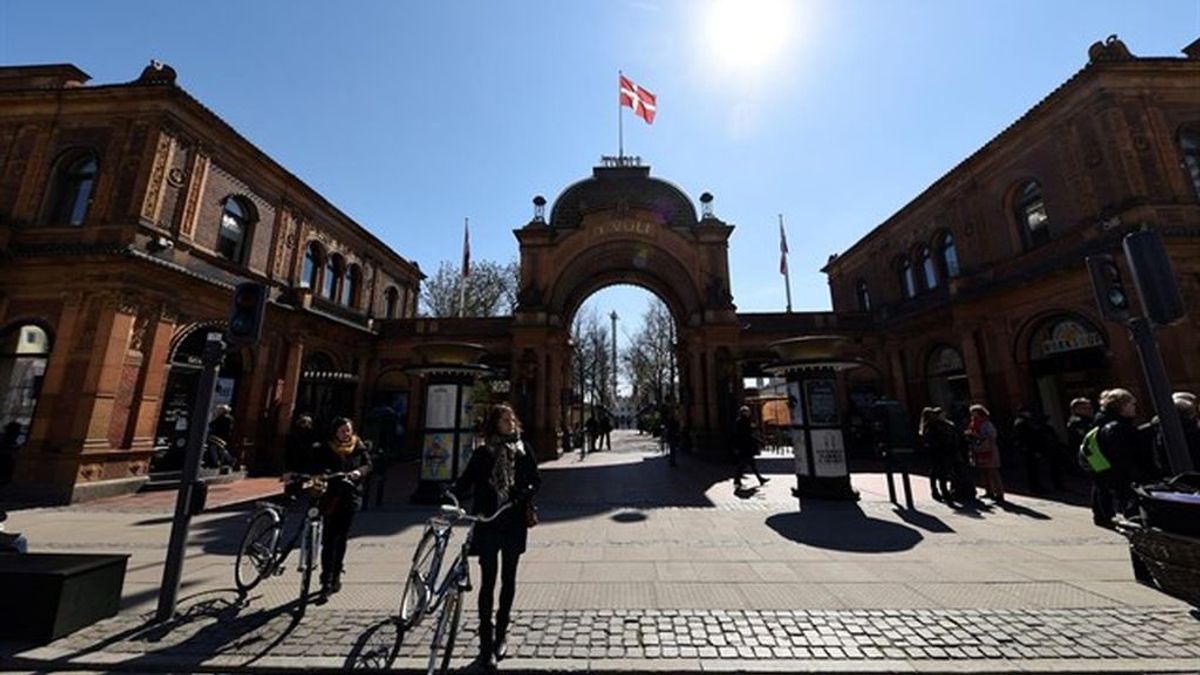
point(127, 213)
point(977, 287)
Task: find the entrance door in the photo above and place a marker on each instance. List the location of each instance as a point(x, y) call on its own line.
point(1067, 360)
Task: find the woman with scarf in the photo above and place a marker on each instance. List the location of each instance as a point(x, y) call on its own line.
point(985, 452)
point(501, 471)
point(342, 453)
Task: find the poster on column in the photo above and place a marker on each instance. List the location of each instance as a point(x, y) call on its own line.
point(800, 449)
point(466, 446)
point(436, 456)
point(829, 453)
point(822, 402)
point(440, 402)
point(466, 412)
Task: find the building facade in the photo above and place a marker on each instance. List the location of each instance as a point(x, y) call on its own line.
point(127, 214)
point(977, 288)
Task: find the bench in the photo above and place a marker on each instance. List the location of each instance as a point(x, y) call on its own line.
point(44, 596)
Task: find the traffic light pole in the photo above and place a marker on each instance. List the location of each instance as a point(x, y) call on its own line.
point(1142, 332)
point(189, 488)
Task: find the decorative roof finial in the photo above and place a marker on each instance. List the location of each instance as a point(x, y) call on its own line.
point(1112, 49)
point(706, 209)
point(539, 209)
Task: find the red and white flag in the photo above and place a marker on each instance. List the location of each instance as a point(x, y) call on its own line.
point(466, 265)
point(783, 250)
point(638, 98)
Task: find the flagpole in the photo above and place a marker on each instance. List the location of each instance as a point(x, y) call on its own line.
point(620, 121)
point(462, 282)
point(787, 278)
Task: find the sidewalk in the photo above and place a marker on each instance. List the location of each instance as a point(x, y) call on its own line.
point(639, 567)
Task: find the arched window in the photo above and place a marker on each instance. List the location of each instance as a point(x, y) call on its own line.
point(73, 190)
point(1030, 211)
point(332, 282)
point(236, 220)
point(930, 273)
point(350, 289)
point(908, 279)
point(312, 265)
point(946, 379)
point(863, 296)
point(391, 303)
point(949, 255)
point(1189, 146)
point(24, 351)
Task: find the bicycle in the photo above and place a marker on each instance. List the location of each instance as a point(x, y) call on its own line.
point(424, 595)
point(260, 554)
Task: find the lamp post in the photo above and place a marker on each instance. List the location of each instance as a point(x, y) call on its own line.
point(614, 317)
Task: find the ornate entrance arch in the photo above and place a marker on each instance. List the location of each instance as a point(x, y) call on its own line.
point(622, 226)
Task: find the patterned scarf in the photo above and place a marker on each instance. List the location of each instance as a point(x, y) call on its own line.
point(504, 472)
point(344, 450)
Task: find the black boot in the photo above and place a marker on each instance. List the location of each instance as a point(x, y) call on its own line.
point(501, 649)
point(487, 645)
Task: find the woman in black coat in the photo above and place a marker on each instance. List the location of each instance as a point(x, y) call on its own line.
point(342, 453)
point(501, 471)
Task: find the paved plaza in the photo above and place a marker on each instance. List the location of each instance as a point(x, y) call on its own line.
point(639, 566)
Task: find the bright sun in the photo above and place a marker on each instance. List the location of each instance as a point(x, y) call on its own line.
point(747, 34)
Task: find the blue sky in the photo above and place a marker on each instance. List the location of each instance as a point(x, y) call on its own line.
point(413, 115)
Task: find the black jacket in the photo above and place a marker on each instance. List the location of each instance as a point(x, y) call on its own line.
point(745, 441)
point(508, 532)
point(344, 494)
point(301, 446)
point(1126, 450)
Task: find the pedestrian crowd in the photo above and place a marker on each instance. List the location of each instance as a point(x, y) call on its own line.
point(1110, 446)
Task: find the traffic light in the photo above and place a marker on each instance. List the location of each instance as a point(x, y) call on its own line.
point(1111, 295)
point(249, 306)
point(1152, 274)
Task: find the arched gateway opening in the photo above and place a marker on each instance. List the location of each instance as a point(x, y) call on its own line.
point(622, 226)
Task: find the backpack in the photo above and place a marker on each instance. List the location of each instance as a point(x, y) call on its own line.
point(1090, 456)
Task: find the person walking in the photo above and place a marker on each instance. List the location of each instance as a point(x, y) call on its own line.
point(220, 439)
point(298, 455)
point(940, 439)
point(592, 429)
point(342, 453)
point(745, 447)
point(1123, 447)
point(671, 433)
point(503, 470)
point(1080, 421)
point(985, 453)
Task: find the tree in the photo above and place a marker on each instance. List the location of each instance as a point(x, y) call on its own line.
point(491, 290)
point(650, 356)
point(591, 368)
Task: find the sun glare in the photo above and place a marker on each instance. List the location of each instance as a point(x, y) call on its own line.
point(747, 34)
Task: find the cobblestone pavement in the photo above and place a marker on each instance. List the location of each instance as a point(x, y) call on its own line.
point(219, 633)
point(639, 567)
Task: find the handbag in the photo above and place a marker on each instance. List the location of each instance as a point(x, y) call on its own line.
point(531, 514)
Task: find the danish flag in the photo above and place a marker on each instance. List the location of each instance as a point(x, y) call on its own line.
point(638, 98)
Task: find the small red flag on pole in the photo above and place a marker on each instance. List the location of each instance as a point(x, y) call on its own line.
point(639, 98)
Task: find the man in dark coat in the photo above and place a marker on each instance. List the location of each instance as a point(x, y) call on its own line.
point(745, 447)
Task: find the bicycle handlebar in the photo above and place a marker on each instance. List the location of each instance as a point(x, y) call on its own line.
point(456, 512)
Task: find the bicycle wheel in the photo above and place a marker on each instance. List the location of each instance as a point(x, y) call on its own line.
point(416, 589)
point(442, 644)
point(310, 558)
point(256, 555)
